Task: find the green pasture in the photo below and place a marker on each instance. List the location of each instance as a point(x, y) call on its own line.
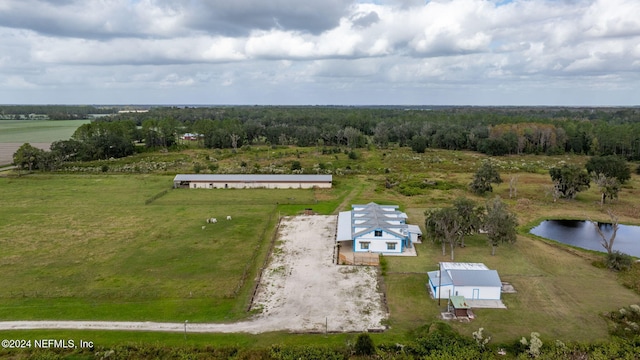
point(87, 247)
point(37, 131)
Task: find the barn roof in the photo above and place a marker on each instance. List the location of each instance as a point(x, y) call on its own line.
point(475, 278)
point(252, 178)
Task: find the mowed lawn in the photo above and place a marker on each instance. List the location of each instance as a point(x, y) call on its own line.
point(87, 247)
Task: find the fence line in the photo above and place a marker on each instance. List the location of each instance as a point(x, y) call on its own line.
point(265, 263)
point(156, 197)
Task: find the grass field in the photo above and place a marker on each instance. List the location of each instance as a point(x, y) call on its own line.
point(86, 246)
point(92, 244)
point(37, 131)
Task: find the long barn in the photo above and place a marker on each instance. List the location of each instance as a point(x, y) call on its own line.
point(251, 181)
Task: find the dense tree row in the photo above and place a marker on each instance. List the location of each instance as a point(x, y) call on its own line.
point(494, 131)
point(54, 112)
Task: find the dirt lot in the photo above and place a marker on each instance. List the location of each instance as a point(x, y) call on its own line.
point(8, 149)
point(301, 291)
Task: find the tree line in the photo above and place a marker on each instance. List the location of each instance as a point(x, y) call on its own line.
point(493, 131)
point(54, 112)
point(490, 130)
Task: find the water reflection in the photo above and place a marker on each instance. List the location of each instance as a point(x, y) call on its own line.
point(582, 234)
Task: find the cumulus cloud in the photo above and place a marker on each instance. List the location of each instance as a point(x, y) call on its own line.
point(361, 45)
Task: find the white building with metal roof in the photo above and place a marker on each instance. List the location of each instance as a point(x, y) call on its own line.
point(375, 228)
point(474, 281)
point(247, 181)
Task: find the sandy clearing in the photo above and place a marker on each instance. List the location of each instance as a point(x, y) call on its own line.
point(301, 291)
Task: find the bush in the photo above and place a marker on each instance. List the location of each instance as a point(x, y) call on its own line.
point(295, 165)
point(364, 345)
point(619, 261)
point(311, 352)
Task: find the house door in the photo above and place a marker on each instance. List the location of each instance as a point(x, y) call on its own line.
point(476, 294)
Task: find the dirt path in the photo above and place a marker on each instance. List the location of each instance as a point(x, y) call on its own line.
point(301, 291)
point(347, 199)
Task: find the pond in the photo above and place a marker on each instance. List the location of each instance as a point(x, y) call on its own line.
point(582, 234)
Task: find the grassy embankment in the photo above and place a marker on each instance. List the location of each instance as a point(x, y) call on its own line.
point(87, 247)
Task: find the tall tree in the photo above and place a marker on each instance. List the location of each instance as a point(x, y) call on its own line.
point(607, 242)
point(500, 224)
point(470, 217)
point(609, 186)
point(27, 157)
point(611, 166)
point(570, 180)
point(484, 177)
point(444, 225)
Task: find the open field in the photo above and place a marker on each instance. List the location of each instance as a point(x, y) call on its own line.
point(39, 133)
point(91, 243)
point(76, 244)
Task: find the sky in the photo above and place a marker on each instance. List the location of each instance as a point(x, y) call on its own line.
point(320, 52)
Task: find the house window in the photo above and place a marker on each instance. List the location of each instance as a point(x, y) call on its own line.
point(391, 246)
point(378, 233)
point(364, 245)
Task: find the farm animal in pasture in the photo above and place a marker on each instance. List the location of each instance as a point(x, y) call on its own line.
point(228, 217)
point(212, 221)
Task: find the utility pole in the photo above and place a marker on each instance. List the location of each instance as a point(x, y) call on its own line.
point(439, 281)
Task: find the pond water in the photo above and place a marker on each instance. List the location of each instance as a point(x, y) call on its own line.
point(582, 234)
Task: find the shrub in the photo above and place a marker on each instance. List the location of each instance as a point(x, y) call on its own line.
point(364, 345)
point(619, 261)
point(295, 165)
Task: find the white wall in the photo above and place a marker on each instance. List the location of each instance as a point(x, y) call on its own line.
point(485, 292)
point(266, 185)
point(378, 244)
point(445, 290)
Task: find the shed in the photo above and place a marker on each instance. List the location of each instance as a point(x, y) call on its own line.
point(458, 305)
point(249, 181)
point(474, 281)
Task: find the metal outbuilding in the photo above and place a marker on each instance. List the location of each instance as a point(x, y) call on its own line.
point(249, 181)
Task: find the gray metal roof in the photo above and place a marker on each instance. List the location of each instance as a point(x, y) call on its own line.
point(373, 216)
point(344, 226)
point(446, 279)
point(475, 278)
point(253, 178)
